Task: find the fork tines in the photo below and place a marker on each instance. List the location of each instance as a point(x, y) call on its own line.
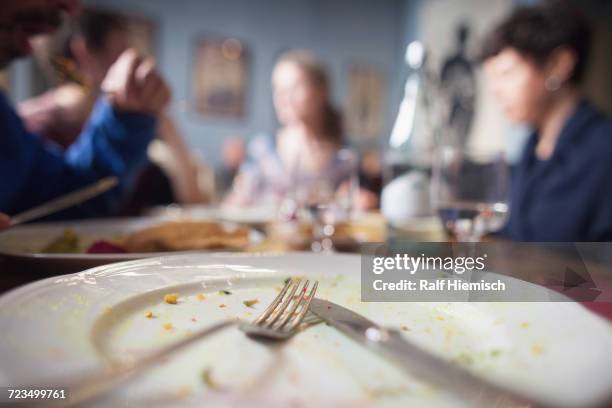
point(288, 309)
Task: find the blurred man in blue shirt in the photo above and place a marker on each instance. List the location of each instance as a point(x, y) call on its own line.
point(113, 143)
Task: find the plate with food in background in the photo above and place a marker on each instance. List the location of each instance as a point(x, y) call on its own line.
point(251, 216)
point(62, 247)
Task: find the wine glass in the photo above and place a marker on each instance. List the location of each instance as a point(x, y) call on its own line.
point(326, 199)
point(470, 191)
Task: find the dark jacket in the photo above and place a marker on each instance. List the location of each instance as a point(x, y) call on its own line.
point(569, 196)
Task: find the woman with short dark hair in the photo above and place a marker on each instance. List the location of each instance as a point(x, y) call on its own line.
point(562, 186)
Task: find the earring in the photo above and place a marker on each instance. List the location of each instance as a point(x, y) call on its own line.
point(552, 83)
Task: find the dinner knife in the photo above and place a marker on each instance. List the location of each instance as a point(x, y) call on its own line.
point(65, 201)
point(422, 364)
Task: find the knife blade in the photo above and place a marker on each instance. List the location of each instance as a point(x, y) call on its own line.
point(68, 200)
point(417, 361)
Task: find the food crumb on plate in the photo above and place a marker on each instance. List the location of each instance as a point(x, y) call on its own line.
point(149, 314)
point(385, 392)
point(404, 328)
point(168, 326)
point(465, 358)
point(183, 391)
point(524, 325)
point(225, 292)
point(171, 298)
point(536, 348)
point(208, 380)
point(250, 302)
point(222, 305)
point(200, 296)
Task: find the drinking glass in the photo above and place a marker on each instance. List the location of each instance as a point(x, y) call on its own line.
point(326, 199)
point(470, 191)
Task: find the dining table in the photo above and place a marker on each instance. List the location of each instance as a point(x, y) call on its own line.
point(372, 228)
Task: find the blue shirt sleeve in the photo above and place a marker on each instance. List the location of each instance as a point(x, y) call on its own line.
point(111, 144)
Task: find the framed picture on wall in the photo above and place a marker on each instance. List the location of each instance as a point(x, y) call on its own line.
point(220, 78)
point(364, 115)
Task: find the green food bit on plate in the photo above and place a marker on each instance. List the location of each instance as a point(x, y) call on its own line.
point(465, 358)
point(208, 380)
point(68, 242)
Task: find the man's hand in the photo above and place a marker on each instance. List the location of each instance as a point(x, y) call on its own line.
point(133, 84)
point(5, 221)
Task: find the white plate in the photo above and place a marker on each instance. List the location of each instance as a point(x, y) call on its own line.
point(23, 244)
point(67, 325)
point(249, 215)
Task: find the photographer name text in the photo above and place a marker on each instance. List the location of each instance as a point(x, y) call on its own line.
point(438, 285)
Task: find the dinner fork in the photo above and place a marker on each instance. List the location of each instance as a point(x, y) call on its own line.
point(279, 321)
point(282, 318)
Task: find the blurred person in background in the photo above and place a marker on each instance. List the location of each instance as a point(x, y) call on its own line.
point(232, 156)
point(114, 141)
point(370, 179)
point(87, 48)
point(562, 186)
point(88, 45)
point(304, 147)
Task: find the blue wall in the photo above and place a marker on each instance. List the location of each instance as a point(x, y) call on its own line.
point(340, 31)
